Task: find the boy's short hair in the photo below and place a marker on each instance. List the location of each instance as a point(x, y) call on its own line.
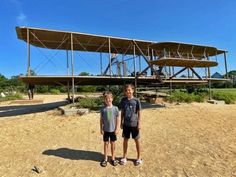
point(129, 85)
point(106, 94)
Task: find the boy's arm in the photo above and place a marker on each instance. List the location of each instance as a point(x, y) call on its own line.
point(121, 113)
point(139, 119)
point(139, 114)
point(101, 125)
point(117, 124)
point(122, 119)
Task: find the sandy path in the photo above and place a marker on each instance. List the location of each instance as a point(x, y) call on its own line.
point(179, 140)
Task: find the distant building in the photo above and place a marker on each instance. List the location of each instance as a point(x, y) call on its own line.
point(183, 76)
point(217, 75)
point(233, 79)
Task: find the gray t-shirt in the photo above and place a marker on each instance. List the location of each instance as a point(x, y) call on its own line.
point(109, 116)
point(130, 110)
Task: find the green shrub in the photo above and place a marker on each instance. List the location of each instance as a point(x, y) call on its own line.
point(55, 91)
point(229, 98)
point(86, 88)
point(92, 103)
point(11, 97)
point(42, 89)
point(179, 96)
point(116, 100)
point(199, 98)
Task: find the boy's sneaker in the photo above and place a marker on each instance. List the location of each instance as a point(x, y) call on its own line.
point(138, 162)
point(103, 163)
point(114, 162)
point(123, 161)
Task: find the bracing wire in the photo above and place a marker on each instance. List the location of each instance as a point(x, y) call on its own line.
point(49, 58)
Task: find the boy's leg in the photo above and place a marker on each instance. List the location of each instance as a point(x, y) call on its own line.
point(114, 162)
point(125, 147)
point(113, 155)
point(137, 142)
point(105, 149)
point(126, 136)
point(113, 138)
point(136, 137)
point(104, 161)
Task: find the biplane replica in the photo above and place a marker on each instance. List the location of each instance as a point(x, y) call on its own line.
point(159, 60)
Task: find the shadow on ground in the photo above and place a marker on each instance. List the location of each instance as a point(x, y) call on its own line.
point(75, 154)
point(150, 106)
point(7, 111)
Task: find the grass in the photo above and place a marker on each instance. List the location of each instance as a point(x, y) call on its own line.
point(184, 97)
point(228, 95)
point(225, 90)
point(11, 97)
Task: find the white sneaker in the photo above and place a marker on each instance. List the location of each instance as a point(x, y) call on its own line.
point(138, 162)
point(123, 161)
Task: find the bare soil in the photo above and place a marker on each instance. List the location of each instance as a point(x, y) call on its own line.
point(195, 139)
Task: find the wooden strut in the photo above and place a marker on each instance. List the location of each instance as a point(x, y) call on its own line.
point(196, 73)
point(147, 60)
point(178, 72)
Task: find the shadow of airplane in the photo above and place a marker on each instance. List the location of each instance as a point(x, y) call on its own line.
point(7, 111)
point(151, 106)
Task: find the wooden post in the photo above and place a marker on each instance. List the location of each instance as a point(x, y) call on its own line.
point(101, 62)
point(170, 79)
point(140, 69)
point(72, 69)
point(226, 69)
point(135, 75)
point(109, 44)
point(68, 72)
point(209, 82)
point(28, 52)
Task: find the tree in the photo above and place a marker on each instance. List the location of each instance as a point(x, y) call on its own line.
point(84, 74)
point(232, 73)
point(3, 83)
point(32, 73)
point(16, 85)
point(86, 88)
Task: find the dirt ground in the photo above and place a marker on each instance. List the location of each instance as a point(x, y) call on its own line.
point(197, 139)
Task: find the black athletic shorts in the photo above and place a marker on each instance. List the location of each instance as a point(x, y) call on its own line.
point(109, 135)
point(130, 130)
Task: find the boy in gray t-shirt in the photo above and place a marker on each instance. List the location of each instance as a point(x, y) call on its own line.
point(109, 123)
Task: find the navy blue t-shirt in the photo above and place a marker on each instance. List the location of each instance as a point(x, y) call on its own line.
point(130, 110)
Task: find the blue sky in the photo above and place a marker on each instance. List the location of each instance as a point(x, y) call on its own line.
point(207, 22)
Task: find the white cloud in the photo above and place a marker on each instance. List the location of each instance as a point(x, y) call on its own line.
point(21, 19)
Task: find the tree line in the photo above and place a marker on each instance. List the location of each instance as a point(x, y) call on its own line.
point(15, 85)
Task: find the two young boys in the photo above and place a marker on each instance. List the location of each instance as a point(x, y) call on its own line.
point(130, 123)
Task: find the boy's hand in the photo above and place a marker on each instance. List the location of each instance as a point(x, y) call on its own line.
point(116, 132)
point(102, 132)
point(139, 127)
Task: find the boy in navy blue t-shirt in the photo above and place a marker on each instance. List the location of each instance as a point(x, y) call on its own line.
point(130, 122)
